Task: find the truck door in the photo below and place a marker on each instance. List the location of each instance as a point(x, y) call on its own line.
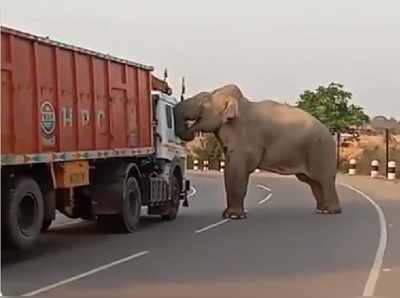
point(170, 124)
point(165, 130)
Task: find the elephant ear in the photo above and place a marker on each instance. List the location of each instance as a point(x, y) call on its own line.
point(231, 109)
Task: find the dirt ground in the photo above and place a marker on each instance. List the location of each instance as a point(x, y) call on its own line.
point(367, 149)
point(354, 149)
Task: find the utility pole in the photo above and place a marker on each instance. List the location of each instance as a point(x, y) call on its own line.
point(183, 90)
point(165, 74)
point(387, 150)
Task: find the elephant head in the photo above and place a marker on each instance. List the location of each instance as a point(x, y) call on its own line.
point(207, 112)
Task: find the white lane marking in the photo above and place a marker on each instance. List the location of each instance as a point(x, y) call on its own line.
point(212, 226)
point(194, 191)
point(265, 199)
point(227, 219)
point(380, 253)
point(263, 187)
point(80, 276)
point(386, 270)
point(65, 221)
point(59, 225)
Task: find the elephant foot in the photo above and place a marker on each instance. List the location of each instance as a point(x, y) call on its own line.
point(232, 214)
point(329, 210)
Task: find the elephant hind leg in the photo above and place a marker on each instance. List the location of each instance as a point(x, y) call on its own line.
point(315, 188)
point(331, 199)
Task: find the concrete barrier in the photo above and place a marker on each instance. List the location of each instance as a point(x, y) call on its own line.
point(205, 165)
point(196, 165)
point(374, 168)
point(391, 170)
point(222, 166)
point(352, 166)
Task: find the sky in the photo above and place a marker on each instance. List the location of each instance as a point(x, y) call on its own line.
point(270, 49)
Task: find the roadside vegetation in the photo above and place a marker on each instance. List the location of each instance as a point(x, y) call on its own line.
point(332, 106)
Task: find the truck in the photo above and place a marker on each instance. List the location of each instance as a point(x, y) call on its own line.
point(85, 134)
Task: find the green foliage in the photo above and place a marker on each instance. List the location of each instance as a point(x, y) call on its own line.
point(210, 149)
point(331, 105)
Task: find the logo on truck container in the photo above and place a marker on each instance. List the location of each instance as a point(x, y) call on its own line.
point(48, 123)
point(48, 118)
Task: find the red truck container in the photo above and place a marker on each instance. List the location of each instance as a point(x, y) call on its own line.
point(102, 102)
point(66, 114)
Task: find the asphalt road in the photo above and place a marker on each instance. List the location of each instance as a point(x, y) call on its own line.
point(282, 248)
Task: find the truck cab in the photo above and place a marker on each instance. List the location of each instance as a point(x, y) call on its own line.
point(168, 145)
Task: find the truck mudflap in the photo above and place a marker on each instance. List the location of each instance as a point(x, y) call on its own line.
point(184, 193)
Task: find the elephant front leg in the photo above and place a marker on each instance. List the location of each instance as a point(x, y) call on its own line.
point(236, 182)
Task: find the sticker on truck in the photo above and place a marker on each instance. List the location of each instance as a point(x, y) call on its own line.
point(48, 122)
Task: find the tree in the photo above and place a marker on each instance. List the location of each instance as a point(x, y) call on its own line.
point(209, 149)
point(331, 105)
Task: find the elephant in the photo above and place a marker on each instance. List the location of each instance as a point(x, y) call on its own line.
point(268, 135)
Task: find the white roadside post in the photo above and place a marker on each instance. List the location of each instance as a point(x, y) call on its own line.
point(205, 165)
point(221, 166)
point(391, 170)
point(352, 167)
point(374, 168)
point(195, 165)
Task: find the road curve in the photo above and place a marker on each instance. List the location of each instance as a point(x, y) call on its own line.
point(282, 248)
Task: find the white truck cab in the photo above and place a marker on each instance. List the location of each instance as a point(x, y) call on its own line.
point(170, 151)
point(168, 145)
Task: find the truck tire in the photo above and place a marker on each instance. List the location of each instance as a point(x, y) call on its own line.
point(128, 220)
point(23, 214)
point(171, 207)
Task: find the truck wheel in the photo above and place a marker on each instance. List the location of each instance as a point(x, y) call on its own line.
point(128, 219)
point(23, 214)
point(171, 206)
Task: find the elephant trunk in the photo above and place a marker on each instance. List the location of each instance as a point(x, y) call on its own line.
point(183, 112)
